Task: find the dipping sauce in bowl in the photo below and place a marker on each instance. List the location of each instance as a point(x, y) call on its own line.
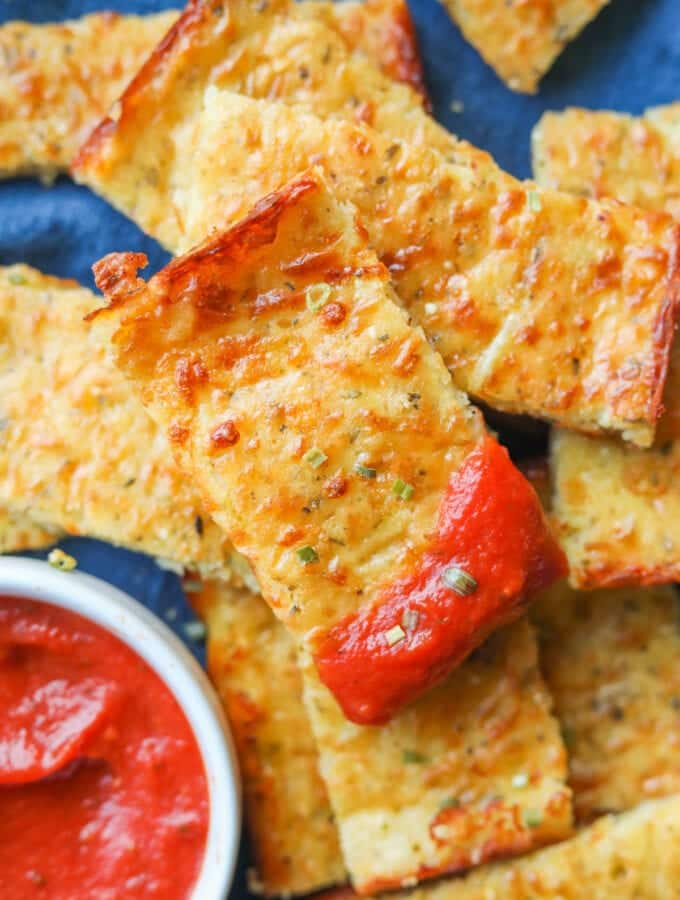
point(103, 791)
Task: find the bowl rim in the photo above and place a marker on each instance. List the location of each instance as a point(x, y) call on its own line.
point(149, 637)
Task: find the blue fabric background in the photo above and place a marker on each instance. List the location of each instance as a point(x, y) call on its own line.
point(628, 59)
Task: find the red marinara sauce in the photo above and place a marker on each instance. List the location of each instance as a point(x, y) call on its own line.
point(102, 787)
point(491, 526)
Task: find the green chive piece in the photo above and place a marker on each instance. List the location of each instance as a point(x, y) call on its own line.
point(394, 635)
point(60, 560)
point(449, 803)
point(365, 471)
point(403, 489)
point(409, 619)
point(16, 278)
point(195, 631)
point(568, 736)
point(317, 296)
point(532, 818)
point(520, 780)
point(315, 457)
point(412, 756)
point(307, 555)
point(534, 201)
point(459, 581)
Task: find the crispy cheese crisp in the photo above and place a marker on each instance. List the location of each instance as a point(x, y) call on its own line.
point(521, 40)
point(612, 663)
point(79, 453)
point(332, 445)
point(629, 857)
point(473, 771)
point(617, 506)
point(484, 263)
point(252, 663)
point(57, 81)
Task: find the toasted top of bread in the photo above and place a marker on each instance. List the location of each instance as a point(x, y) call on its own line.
point(520, 41)
point(252, 663)
point(627, 857)
point(612, 663)
point(472, 771)
point(608, 154)
point(295, 392)
point(382, 29)
point(61, 79)
point(79, 452)
point(18, 532)
point(516, 260)
point(58, 80)
point(616, 506)
point(480, 266)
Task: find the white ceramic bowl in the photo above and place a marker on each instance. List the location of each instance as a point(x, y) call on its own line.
point(168, 657)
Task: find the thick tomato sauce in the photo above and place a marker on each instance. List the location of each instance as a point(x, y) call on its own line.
point(491, 525)
point(102, 788)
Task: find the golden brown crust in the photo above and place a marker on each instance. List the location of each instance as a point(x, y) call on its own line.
point(617, 506)
point(57, 385)
point(58, 80)
point(521, 40)
point(612, 663)
point(539, 252)
point(17, 533)
point(223, 343)
point(546, 273)
point(384, 30)
point(616, 509)
point(298, 53)
point(252, 663)
point(608, 154)
point(61, 79)
point(628, 857)
point(473, 771)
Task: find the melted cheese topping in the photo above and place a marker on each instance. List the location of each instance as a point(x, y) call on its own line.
point(252, 663)
point(467, 244)
point(473, 771)
point(612, 663)
point(57, 81)
point(521, 41)
point(617, 507)
point(281, 343)
point(79, 452)
point(626, 857)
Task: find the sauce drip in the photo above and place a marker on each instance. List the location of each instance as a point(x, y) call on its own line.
point(491, 526)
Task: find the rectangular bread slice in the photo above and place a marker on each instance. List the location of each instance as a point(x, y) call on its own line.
point(521, 41)
point(79, 454)
point(611, 660)
point(18, 532)
point(253, 664)
point(628, 857)
point(384, 526)
point(526, 293)
point(473, 771)
point(447, 785)
point(607, 154)
point(60, 80)
point(616, 506)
